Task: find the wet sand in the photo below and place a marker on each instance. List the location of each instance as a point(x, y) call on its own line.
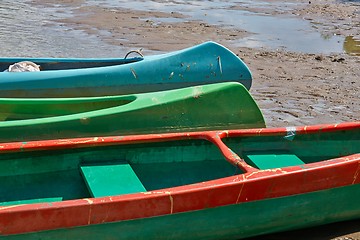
point(290, 88)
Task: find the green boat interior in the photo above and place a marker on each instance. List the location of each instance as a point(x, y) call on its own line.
point(58, 175)
point(66, 64)
point(31, 109)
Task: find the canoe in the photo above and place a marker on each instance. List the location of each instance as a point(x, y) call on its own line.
point(214, 106)
point(190, 185)
point(206, 63)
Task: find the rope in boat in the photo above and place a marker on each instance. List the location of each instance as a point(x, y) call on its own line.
point(134, 51)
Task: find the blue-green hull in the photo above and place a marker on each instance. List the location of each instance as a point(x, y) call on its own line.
point(202, 64)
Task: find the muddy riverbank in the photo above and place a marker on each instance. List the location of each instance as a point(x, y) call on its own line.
point(291, 88)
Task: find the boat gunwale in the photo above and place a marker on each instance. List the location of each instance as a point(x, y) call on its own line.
point(126, 61)
point(162, 137)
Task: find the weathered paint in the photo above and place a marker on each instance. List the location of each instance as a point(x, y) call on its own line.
point(299, 192)
point(162, 137)
point(104, 77)
point(234, 221)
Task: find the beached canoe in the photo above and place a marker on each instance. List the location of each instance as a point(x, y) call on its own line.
point(193, 185)
point(214, 106)
point(202, 64)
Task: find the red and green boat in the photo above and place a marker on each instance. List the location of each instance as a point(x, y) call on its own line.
point(191, 185)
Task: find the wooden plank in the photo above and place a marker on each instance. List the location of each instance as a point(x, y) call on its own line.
point(111, 179)
point(273, 160)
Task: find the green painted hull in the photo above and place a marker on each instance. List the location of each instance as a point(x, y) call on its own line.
point(213, 106)
point(228, 184)
point(230, 222)
point(202, 64)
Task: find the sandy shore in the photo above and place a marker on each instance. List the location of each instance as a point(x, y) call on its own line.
point(290, 88)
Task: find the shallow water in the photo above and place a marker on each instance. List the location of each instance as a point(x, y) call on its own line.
point(290, 33)
point(30, 30)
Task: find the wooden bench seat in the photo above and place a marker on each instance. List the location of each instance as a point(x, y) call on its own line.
point(110, 179)
point(273, 160)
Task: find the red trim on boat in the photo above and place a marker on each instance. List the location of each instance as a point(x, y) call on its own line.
point(208, 135)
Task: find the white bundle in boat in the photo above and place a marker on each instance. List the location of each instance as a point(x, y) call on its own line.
point(24, 66)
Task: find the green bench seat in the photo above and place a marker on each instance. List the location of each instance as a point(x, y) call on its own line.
point(110, 179)
point(273, 160)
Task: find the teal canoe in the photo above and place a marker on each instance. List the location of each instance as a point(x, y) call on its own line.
point(228, 184)
point(206, 63)
point(213, 106)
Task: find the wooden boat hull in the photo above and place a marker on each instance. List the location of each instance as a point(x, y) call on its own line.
point(213, 106)
point(323, 187)
point(202, 64)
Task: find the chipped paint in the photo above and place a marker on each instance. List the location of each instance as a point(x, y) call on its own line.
point(356, 175)
point(305, 128)
point(22, 146)
point(273, 170)
point(155, 100)
point(118, 138)
point(156, 192)
point(220, 66)
point(171, 203)
point(133, 72)
point(171, 75)
point(88, 200)
point(197, 92)
point(239, 195)
point(12, 206)
point(89, 216)
point(75, 141)
point(85, 120)
point(290, 133)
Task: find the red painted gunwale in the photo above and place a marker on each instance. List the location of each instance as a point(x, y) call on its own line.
point(253, 185)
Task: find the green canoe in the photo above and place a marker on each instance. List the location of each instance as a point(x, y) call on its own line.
point(228, 184)
point(213, 106)
point(206, 63)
